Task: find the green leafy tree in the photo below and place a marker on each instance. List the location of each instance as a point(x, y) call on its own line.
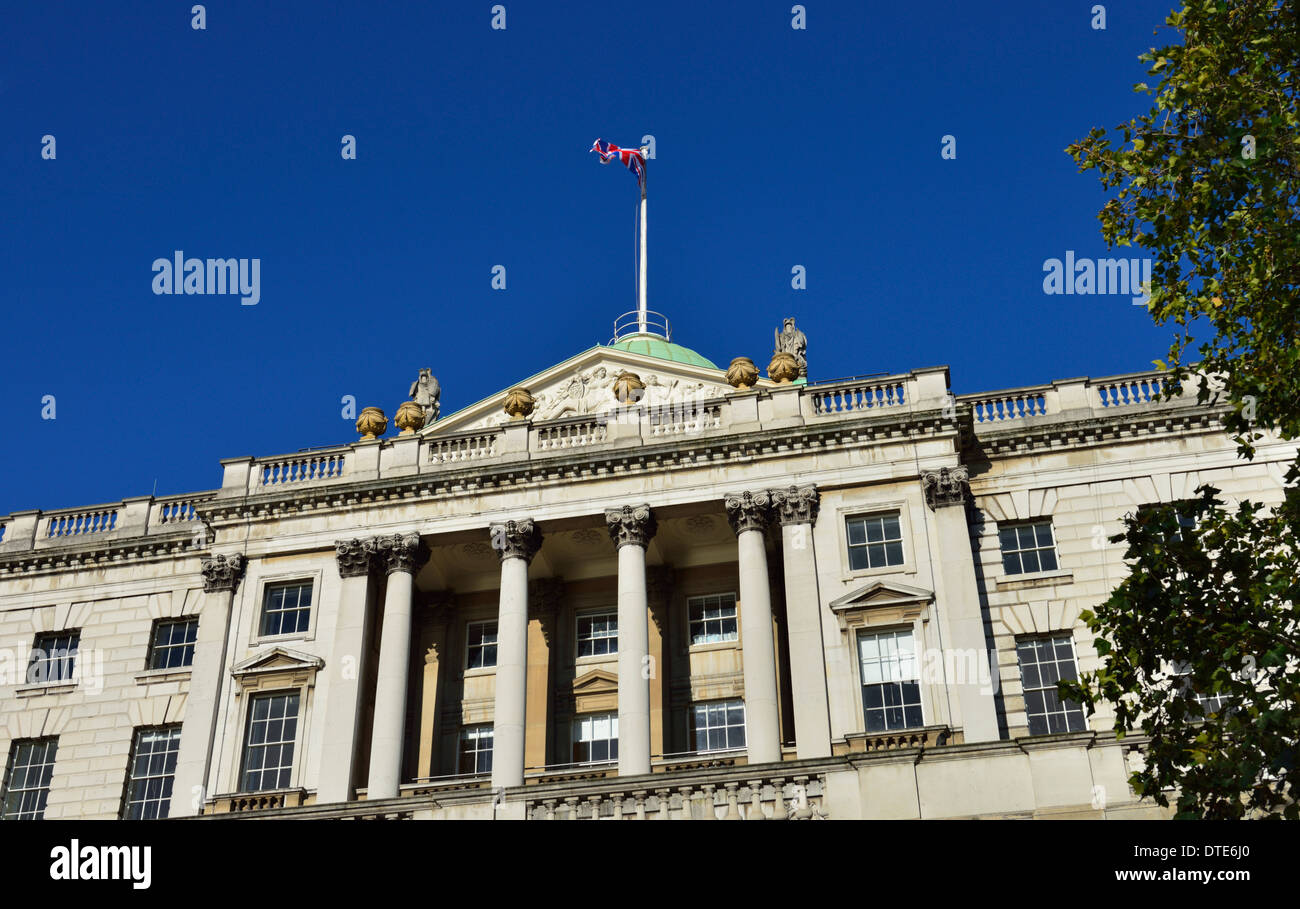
point(1208, 181)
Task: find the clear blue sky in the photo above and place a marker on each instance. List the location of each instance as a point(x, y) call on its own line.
point(775, 147)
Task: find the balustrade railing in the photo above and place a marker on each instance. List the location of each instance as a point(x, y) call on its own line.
point(739, 796)
point(303, 468)
point(853, 397)
point(471, 446)
point(1127, 390)
point(571, 434)
point(80, 523)
point(1004, 406)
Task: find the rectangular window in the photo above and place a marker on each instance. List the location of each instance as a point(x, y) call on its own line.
point(27, 779)
point(173, 643)
point(287, 609)
point(1182, 684)
point(597, 634)
point(53, 657)
point(712, 618)
point(1027, 548)
point(719, 725)
point(875, 541)
point(268, 749)
point(481, 641)
point(1043, 663)
point(475, 750)
point(891, 685)
point(595, 738)
point(1185, 522)
point(150, 773)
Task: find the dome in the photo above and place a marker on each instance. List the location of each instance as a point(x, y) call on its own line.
point(655, 346)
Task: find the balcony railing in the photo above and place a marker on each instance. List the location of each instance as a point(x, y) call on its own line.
point(625, 427)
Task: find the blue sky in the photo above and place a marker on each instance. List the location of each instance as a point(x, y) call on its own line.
point(775, 147)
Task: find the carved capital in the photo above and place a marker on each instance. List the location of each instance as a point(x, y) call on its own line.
point(401, 552)
point(222, 572)
point(355, 557)
point(516, 539)
point(946, 486)
point(631, 525)
point(748, 510)
point(795, 504)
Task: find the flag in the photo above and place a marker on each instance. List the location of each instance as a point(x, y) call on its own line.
point(631, 158)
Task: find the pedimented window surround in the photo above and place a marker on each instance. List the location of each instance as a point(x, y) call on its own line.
point(882, 603)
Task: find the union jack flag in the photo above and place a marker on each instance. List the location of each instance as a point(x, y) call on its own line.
point(631, 158)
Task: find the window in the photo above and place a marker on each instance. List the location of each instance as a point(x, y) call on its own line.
point(481, 638)
point(875, 542)
point(287, 609)
point(54, 656)
point(1185, 522)
point(1044, 662)
point(597, 634)
point(475, 750)
point(173, 643)
point(712, 618)
point(891, 686)
point(1028, 547)
point(27, 779)
point(719, 725)
point(1182, 684)
point(268, 749)
point(595, 738)
point(151, 772)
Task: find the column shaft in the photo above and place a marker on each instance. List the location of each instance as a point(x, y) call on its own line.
point(812, 724)
point(762, 720)
point(633, 670)
point(343, 697)
point(511, 675)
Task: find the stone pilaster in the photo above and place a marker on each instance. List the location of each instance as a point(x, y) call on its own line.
point(544, 596)
point(221, 577)
point(659, 585)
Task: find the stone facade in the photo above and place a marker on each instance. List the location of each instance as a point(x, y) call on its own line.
point(636, 564)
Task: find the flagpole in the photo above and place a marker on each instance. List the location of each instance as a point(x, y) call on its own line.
point(642, 305)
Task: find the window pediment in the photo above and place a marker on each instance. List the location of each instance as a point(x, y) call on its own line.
point(882, 601)
point(595, 690)
point(276, 667)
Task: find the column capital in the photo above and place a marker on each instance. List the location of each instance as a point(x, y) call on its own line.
point(946, 486)
point(516, 539)
point(401, 552)
point(796, 504)
point(748, 510)
point(355, 557)
point(631, 525)
point(222, 572)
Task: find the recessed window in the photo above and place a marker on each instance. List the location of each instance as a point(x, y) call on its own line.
point(481, 645)
point(173, 643)
point(27, 779)
point(151, 773)
point(1028, 547)
point(287, 609)
point(475, 750)
point(595, 738)
point(268, 747)
point(719, 725)
point(597, 634)
point(53, 657)
point(712, 618)
point(1043, 663)
point(891, 685)
point(875, 541)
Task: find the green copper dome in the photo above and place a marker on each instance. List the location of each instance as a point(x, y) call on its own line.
point(652, 346)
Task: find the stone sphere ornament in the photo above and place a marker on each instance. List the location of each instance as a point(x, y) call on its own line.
point(783, 369)
point(410, 417)
point(519, 403)
point(372, 423)
point(742, 373)
point(628, 387)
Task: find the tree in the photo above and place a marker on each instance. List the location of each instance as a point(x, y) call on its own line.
point(1208, 181)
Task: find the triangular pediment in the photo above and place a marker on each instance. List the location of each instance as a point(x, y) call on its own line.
point(597, 681)
point(582, 386)
point(276, 659)
point(883, 593)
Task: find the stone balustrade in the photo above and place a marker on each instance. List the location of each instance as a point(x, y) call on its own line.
point(754, 410)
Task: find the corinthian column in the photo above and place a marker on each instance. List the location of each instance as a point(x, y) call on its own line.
point(401, 555)
point(356, 560)
point(749, 513)
point(221, 577)
point(796, 508)
point(516, 542)
point(631, 528)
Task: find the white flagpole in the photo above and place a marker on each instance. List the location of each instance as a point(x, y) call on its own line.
point(642, 306)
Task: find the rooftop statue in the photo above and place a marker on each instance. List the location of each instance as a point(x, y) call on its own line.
point(425, 391)
point(794, 342)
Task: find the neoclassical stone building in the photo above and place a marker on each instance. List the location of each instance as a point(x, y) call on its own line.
point(634, 585)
